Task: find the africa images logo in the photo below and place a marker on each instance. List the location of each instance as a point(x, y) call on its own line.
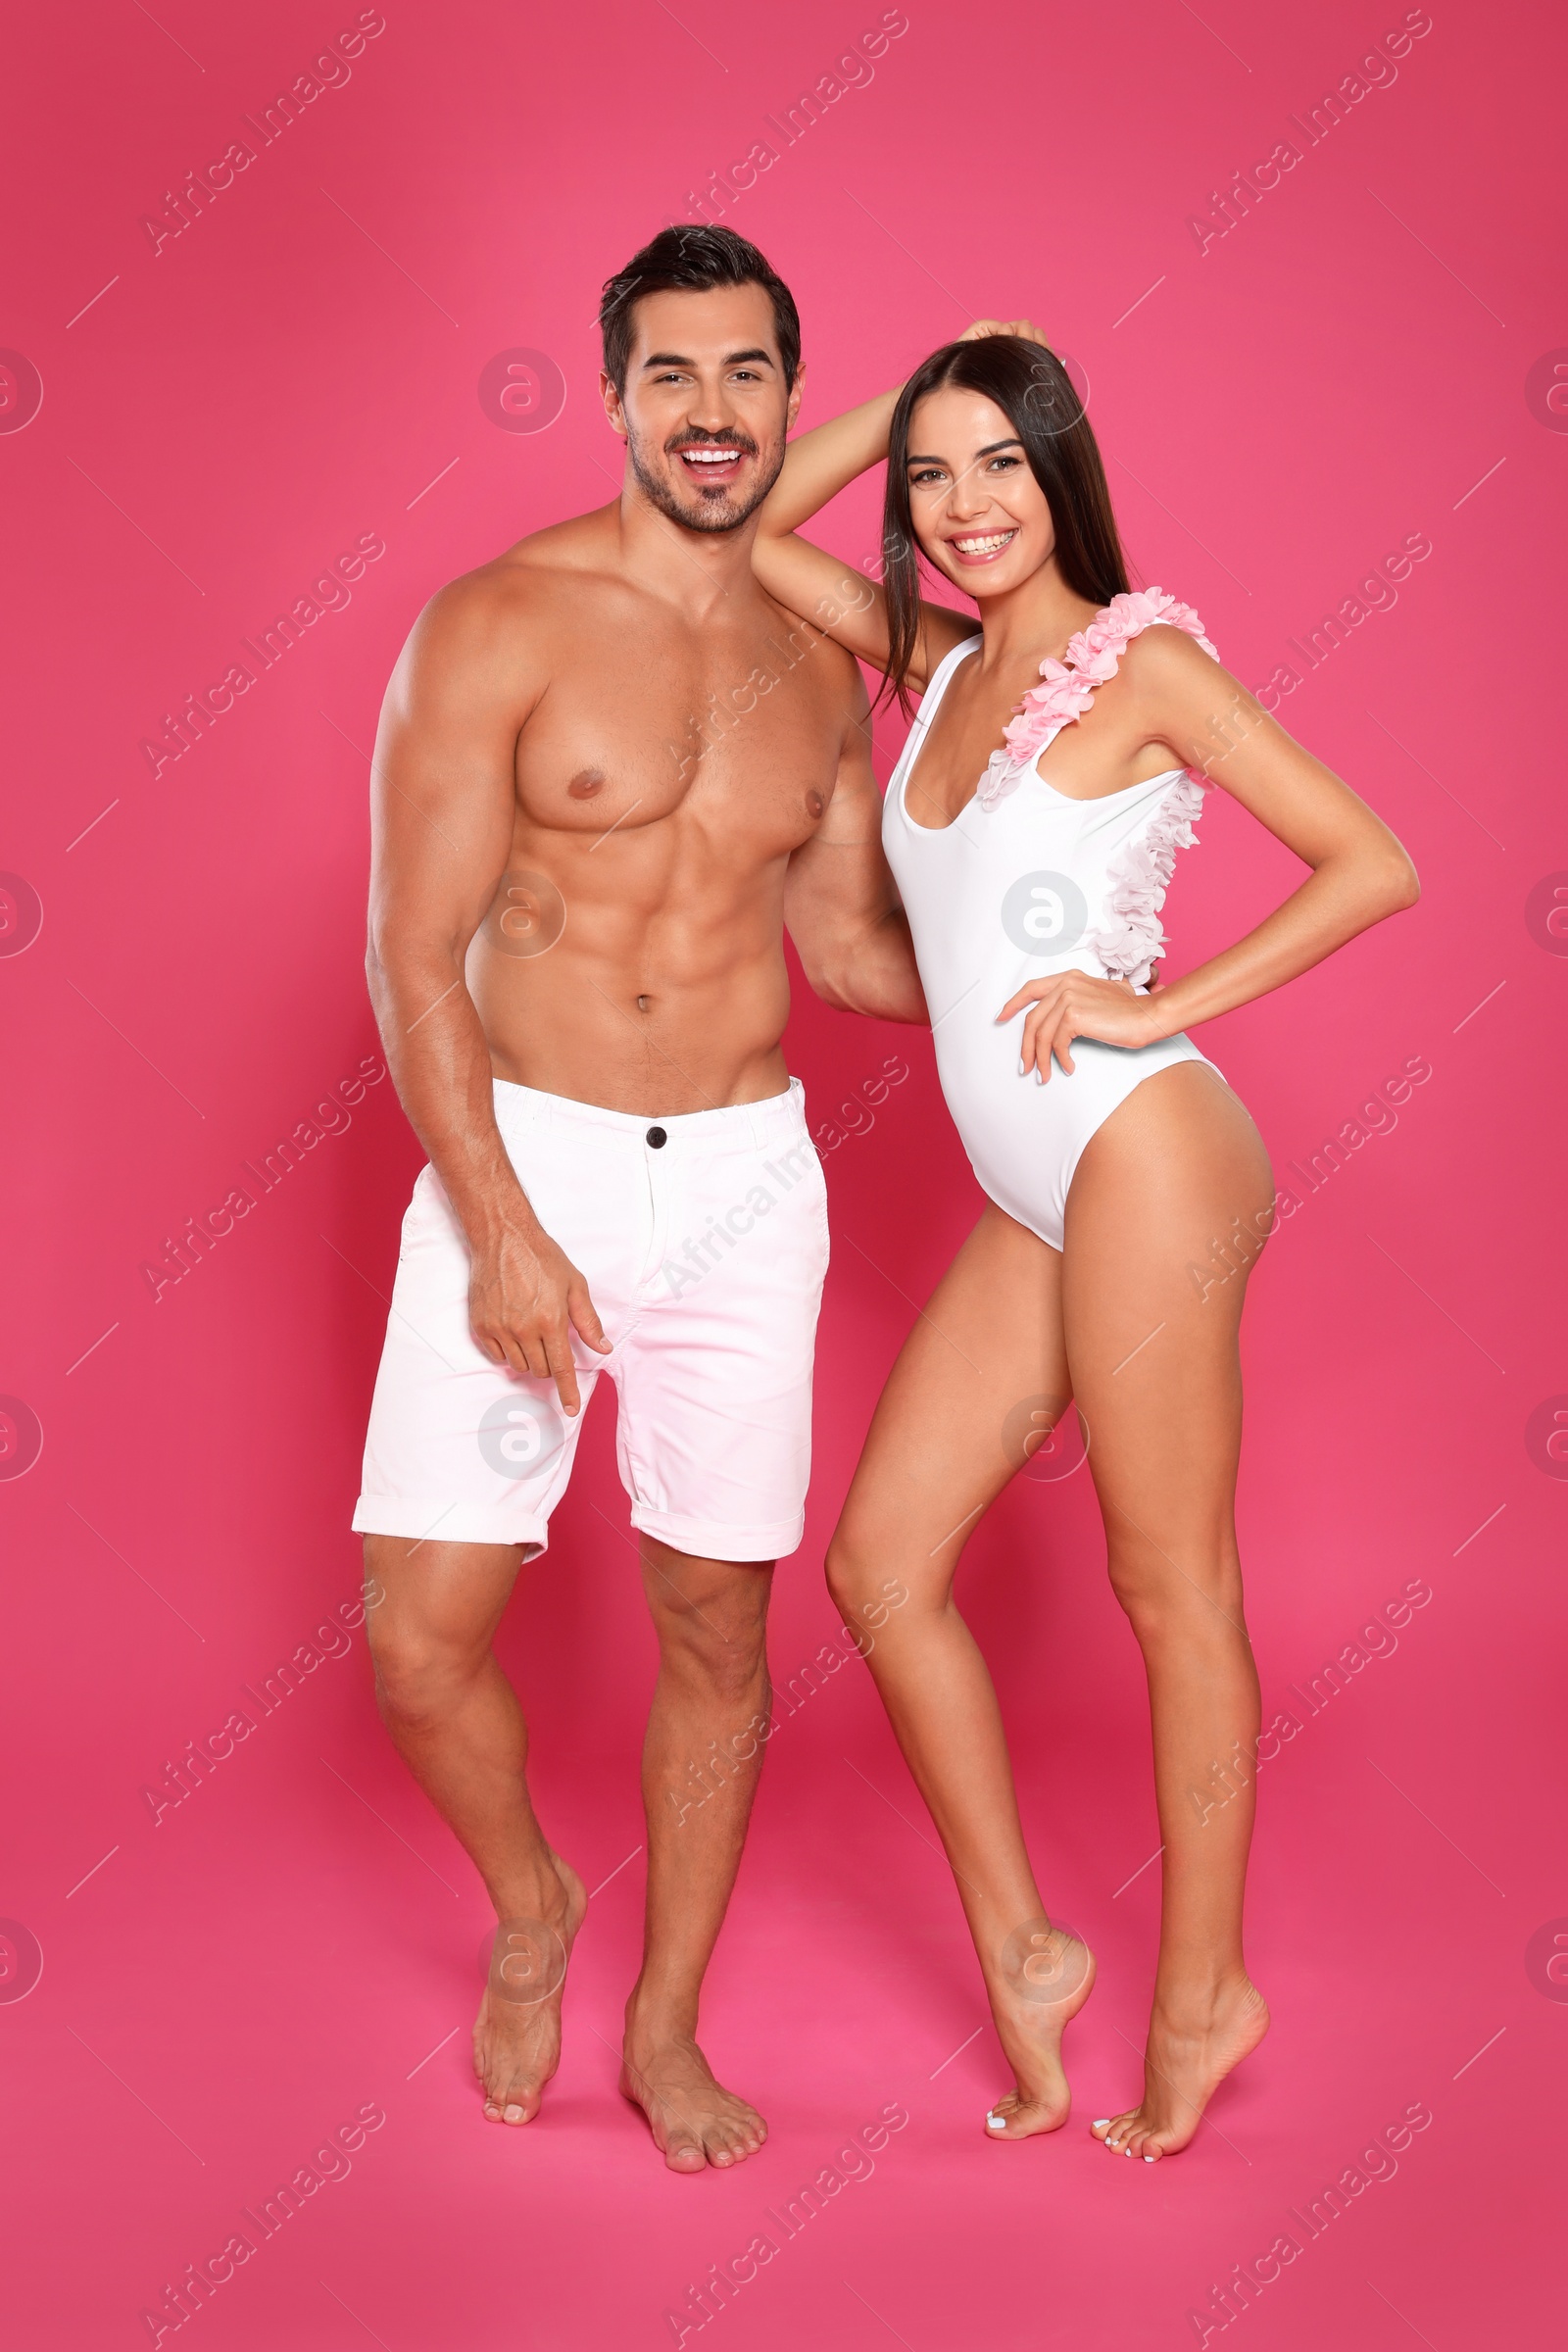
point(518, 1435)
point(521, 390)
point(21, 391)
point(1044, 913)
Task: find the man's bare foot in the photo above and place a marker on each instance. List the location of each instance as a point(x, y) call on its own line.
point(1191, 2050)
point(1045, 1976)
point(693, 2119)
point(516, 2034)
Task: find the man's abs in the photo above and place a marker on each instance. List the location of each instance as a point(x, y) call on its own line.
point(680, 1015)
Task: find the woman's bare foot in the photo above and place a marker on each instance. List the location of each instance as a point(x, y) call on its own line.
point(693, 2119)
point(516, 2034)
point(1045, 1976)
point(1191, 2048)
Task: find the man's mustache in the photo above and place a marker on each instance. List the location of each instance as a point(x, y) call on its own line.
point(741, 441)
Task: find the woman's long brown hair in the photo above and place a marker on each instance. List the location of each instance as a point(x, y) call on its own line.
point(1033, 392)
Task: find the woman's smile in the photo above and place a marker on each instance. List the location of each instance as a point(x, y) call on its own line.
point(980, 547)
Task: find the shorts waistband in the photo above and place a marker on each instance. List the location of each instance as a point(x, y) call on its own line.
point(775, 1117)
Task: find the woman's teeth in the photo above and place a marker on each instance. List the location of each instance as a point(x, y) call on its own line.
point(986, 546)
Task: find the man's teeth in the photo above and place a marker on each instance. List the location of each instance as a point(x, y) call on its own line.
point(710, 456)
point(984, 547)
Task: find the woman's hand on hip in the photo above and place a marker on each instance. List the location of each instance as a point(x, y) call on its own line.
point(1073, 1003)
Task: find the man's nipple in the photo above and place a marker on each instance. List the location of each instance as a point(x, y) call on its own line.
point(585, 783)
point(816, 803)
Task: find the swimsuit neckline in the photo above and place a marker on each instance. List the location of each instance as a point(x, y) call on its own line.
point(940, 678)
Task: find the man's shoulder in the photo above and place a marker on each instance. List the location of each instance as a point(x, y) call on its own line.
point(510, 608)
point(533, 570)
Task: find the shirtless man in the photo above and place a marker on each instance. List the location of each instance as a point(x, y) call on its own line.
point(608, 771)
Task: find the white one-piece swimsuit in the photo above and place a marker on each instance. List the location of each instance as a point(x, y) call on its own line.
point(1026, 882)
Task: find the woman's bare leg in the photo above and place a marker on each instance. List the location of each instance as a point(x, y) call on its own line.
point(988, 1346)
point(1152, 1344)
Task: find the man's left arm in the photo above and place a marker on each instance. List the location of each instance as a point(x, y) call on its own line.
point(840, 905)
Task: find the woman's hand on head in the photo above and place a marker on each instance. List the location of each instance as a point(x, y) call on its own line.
point(1024, 328)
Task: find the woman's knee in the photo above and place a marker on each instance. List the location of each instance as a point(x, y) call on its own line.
point(865, 1588)
point(852, 1570)
point(1167, 1590)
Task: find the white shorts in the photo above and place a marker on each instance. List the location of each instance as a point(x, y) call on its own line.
point(703, 1243)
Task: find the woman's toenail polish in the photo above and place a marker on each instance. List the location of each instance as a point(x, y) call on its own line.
point(996, 2123)
point(1102, 2123)
point(1149, 2160)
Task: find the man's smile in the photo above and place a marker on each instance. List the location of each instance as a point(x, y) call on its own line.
point(712, 461)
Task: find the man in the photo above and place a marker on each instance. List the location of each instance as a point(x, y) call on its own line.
point(608, 771)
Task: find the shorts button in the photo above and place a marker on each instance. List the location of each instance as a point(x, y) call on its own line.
point(657, 1139)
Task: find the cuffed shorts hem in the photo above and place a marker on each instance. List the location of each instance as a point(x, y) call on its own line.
point(711, 1539)
point(449, 1523)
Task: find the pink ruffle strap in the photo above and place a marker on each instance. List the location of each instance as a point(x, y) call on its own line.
point(1131, 942)
point(1092, 656)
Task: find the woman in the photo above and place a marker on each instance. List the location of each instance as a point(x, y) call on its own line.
point(1113, 1155)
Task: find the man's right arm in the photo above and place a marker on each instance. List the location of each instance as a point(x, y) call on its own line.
point(443, 801)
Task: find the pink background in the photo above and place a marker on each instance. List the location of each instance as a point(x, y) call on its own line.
point(1349, 364)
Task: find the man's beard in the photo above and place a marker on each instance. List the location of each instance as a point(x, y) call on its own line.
point(710, 514)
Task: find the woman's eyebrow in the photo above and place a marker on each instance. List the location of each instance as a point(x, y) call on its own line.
point(990, 450)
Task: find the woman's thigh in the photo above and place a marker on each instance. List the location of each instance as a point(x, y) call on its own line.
point(976, 1389)
point(1151, 1316)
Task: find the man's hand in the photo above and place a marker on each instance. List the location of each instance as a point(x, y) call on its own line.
point(525, 1298)
point(1073, 1005)
point(1024, 328)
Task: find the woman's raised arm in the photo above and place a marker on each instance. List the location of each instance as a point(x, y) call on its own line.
point(818, 465)
point(840, 600)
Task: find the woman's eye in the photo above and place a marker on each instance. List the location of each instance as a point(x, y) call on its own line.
point(1003, 465)
point(923, 481)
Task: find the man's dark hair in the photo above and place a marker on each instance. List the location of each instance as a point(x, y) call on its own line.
point(692, 259)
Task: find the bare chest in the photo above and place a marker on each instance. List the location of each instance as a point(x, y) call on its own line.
point(737, 728)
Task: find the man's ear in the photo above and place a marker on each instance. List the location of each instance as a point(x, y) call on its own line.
point(796, 390)
point(613, 410)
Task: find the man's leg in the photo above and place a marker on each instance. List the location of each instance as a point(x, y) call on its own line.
point(700, 1763)
point(431, 1615)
